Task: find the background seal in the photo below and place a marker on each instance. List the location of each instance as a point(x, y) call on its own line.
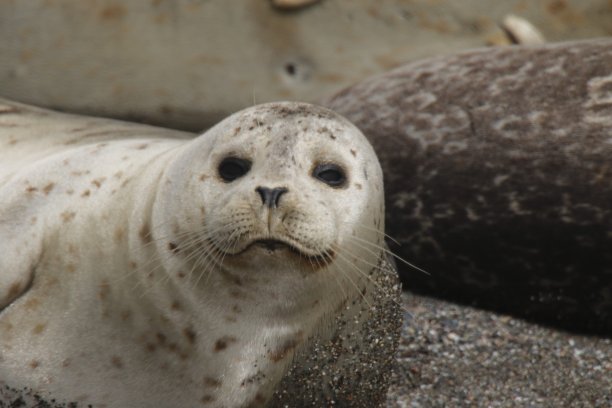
point(497, 167)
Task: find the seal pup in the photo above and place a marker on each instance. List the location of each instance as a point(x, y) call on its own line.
point(140, 267)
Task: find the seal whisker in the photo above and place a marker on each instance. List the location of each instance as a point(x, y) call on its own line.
point(364, 245)
point(369, 276)
point(381, 232)
point(347, 274)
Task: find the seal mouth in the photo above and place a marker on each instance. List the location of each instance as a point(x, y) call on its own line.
point(273, 245)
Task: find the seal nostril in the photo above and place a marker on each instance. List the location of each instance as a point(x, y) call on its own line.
point(270, 196)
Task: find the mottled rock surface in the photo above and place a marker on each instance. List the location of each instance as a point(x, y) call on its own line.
point(498, 176)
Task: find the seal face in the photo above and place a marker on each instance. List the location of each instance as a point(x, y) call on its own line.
point(142, 268)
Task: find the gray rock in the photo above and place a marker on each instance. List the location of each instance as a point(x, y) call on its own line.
point(498, 176)
point(458, 356)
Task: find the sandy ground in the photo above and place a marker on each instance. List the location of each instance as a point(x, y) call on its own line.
point(457, 356)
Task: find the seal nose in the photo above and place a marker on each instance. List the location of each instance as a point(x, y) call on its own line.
point(271, 196)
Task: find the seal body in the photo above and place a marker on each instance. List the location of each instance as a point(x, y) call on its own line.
point(497, 171)
point(139, 267)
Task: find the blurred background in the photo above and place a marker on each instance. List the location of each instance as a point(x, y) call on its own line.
point(188, 63)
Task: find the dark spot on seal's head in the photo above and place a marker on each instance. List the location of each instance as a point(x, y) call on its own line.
point(173, 247)
point(212, 382)
point(47, 189)
point(116, 362)
point(145, 233)
point(190, 334)
point(222, 343)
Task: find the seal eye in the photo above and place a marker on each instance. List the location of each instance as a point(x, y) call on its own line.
point(331, 174)
point(232, 168)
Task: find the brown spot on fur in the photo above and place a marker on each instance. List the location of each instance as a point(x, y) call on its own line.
point(9, 109)
point(358, 186)
point(34, 364)
point(161, 338)
point(39, 328)
point(203, 177)
point(222, 343)
point(104, 290)
point(68, 216)
point(175, 305)
point(145, 233)
point(31, 189)
point(66, 363)
point(71, 268)
point(190, 334)
point(286, 348)
point(119, 234)
point(236, 294)
point(47, 189)
point(112, 12)
point(98, 182)
point(14, 290)
point(173, 247)
point(32, 303)
point(116, 362)
point(142, 146)
point(86, 193)
point(211, 382)
point(132, 265)
point(150, 347)
point(207, 399)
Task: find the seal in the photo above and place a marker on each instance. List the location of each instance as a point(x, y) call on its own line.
point(142, 267)
point(497, 183)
